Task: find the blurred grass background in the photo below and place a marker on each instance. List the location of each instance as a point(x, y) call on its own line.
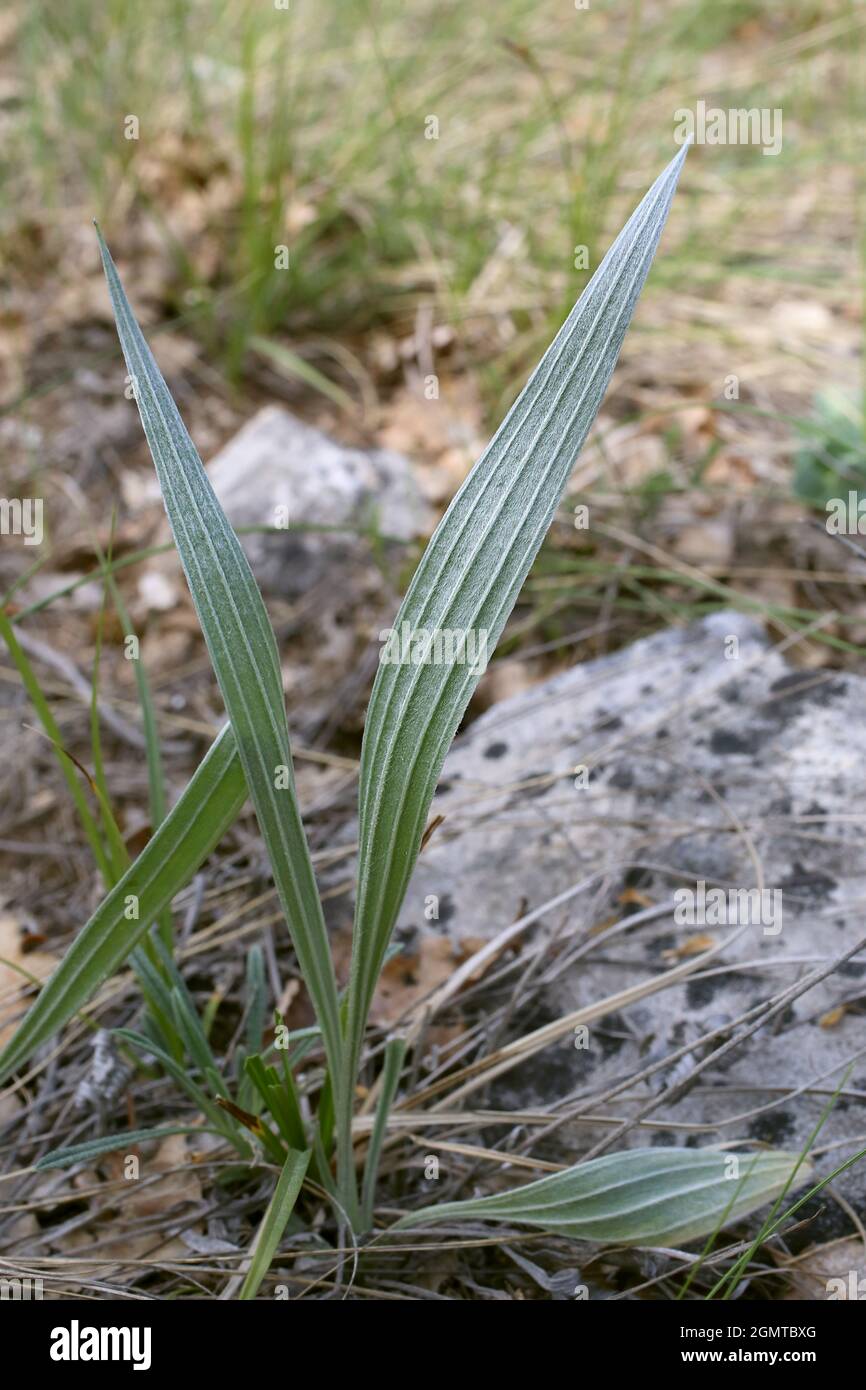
point(307, 127)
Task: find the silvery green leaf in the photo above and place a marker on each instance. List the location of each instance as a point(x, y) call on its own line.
point(640, 1197)
point(469, 578)
point(112, 1143)
point(244, 656)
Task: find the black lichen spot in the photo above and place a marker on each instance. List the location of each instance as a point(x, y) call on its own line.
point(663, 1139)
point(622, 777)
point(541, 785)
point(818, 1222)
point(495, 750)
point(727, 741)
point(406, 937)
point(699, 993)
point(445, 785)
point(773, 1127)
point(547, 1075)
point(665, 942)
point(808, 883)
point(611, 1037)
point(612, 722)
point(798, 688)
point(446, 908)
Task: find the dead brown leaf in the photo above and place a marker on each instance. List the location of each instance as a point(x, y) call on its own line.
point(19, 962)
point(833, 1016)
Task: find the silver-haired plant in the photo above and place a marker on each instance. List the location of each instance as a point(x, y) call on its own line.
point(468, 580)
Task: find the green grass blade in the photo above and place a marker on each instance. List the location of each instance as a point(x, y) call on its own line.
point(640, 1197)
point(728, 1281)
point(244, 655)
point(221, 1120)
point(208, 806)
point(157, 800)
point(274, 1221)
point(281, 1100)
point(293, 365)
point(256, 998)
point(157, 998)
point(467, 583)
point(188, 1025)
point(43, 709)
point(731, 1277)
point(395, 1051)
point(117, 851)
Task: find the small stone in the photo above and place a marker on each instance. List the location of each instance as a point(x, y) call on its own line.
point(278, 471)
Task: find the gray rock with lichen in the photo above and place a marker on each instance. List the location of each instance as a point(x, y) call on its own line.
point(696, 755)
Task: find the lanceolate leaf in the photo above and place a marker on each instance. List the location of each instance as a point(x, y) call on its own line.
point(110, 1143)
point(469, 578)
point(244, 656)
point(209, 804)
point(641, 1197)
